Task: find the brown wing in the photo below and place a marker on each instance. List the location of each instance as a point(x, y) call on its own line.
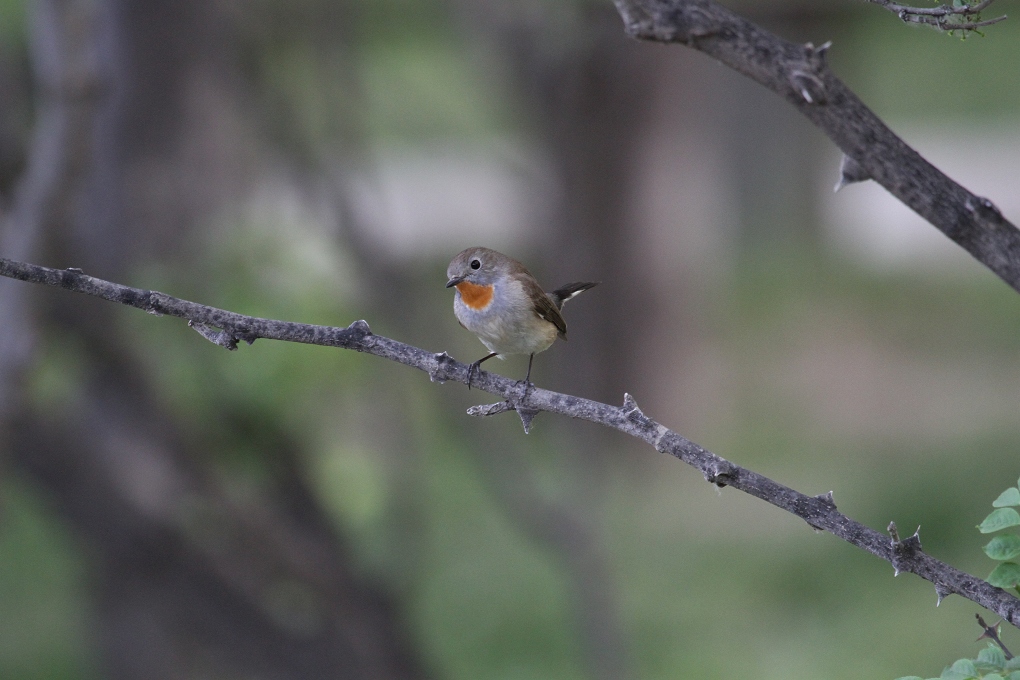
point(545, 307)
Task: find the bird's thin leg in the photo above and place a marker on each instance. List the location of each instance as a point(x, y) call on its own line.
point(527, 378)
point(474, 367)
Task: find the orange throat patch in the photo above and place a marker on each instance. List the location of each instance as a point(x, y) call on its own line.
point(474, 296)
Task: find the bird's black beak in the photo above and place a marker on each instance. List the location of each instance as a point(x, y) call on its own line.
point(454, 281)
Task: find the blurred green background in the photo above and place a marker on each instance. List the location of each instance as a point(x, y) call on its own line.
point(170, 509)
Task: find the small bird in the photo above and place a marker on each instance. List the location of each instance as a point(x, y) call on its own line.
point(499, 300)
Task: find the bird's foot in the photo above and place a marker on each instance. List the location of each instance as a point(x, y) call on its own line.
point(522, 387)
point(472, 369)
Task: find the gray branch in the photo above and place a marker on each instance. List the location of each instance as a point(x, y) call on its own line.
point(226, 329)
point(962, 17)
point(799, 74)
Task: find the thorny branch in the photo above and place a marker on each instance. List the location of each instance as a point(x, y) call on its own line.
point(992, 633)
point(228, 328)
point(799, 74)
point(956, 17)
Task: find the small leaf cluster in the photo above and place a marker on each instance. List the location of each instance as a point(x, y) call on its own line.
point(1004, 547)
point(990, 664)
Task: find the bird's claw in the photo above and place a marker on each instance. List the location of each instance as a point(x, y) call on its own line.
point(472, 369)
point(526, 385)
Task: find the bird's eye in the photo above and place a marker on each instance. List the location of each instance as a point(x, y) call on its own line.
point(475, 264)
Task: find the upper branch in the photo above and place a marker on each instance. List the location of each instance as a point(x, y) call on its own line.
point(800, 75)
point(818, 511)
point(956, 17)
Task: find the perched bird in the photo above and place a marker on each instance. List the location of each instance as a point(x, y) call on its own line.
point(499, 300)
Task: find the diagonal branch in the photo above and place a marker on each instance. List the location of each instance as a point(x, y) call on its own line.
point(799, 74)
point(818, 511)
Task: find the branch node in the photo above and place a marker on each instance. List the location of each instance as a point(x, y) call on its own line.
point(517, 403)
point(437, 371)
point(809, 86)
point(248, 337)
point(70, 277)
point(813, 512)
point(359, 329)
point(983, 208)
point(490, 409)
point(905, 550)
point(827, 500)
point(719, 472)
point(636, 21)
point(526, 414)
point(152, 299)
point(632, 411)
point(217, 337)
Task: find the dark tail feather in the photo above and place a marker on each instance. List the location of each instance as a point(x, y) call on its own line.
point(564, 293)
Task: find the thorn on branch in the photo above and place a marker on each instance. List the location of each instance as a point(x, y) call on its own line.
point(850, 172)
point(903, 551)
point(517, 402)
point(527, 415)
point(632, 411)
point(827, 499)
point(992, 633)
point(942, 591)
point(816, 55)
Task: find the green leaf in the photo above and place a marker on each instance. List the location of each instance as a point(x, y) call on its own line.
point(1006, 575)
point(963, 668)
point(993, 676)
point(1013, 664)
point(1004, 547)
point(910, 677)
point(999, 519)
point(992, 657)
point(1010, 496)
point(1015, 675)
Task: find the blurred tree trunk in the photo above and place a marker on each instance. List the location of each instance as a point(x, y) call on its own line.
point(191, 582)
point(587, 90)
